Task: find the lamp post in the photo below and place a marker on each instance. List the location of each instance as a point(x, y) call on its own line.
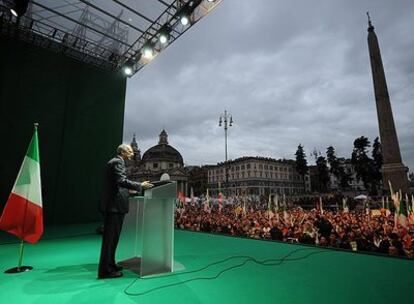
point(227, 121)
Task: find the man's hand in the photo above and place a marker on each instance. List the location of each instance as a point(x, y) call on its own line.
point(146, 185)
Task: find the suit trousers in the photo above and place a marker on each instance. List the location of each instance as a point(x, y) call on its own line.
point(111, 232)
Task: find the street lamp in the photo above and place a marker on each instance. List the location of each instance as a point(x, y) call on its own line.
point(227, 119)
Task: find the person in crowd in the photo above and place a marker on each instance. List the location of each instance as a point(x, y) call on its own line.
point(350, 230)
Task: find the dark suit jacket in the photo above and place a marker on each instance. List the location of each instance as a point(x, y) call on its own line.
point(115, 194)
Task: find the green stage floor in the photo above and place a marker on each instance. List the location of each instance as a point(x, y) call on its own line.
point(65, 272)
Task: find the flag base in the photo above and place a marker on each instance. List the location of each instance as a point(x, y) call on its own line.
point(19, 269)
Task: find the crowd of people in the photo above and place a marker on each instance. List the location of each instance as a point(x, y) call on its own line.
point(359, 229)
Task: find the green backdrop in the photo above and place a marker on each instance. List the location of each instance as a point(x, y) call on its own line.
point(80, 111)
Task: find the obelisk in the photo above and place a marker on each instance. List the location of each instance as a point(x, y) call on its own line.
point(392, 168)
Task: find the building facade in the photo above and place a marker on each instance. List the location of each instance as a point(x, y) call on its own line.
point(255, 175)
point(197, 179)
point(157, 160)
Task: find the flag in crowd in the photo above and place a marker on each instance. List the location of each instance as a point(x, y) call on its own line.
point(400, 216)
point(387, 207)
point(181, 199)
point(367, 208)
point(345, 205)
point(269, 203)
point(320, 204)
point(207, 202)
point(192, 197)
point(276, 202)
point(220, 201)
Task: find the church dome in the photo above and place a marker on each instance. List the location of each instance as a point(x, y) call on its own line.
point(162, 152)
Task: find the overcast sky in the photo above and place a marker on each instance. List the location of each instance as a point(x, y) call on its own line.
point(289, 72)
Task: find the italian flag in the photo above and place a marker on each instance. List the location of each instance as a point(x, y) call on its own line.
point(22, 215)
point(220, 201)
point(402, 214)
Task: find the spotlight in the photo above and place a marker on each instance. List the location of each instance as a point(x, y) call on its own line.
point(129, 67)
point(127, 71)
point(19, 7)
point(148, 50)
point(184, 19)
point(164, 38)
point(164, 33)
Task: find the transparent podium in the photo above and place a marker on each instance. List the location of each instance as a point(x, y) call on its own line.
point(146, 244)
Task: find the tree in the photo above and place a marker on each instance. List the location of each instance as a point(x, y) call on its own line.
point(301, 163)
point(364, 166)
point(333, 162)
point(336, 169)
point(345, 180)
point(377, 163)
point(323, 174)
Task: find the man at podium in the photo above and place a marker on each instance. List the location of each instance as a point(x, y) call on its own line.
point(114, 206)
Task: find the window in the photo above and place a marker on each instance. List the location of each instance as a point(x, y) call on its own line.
point(155, 165)
point(248, 166)
point(170, 165)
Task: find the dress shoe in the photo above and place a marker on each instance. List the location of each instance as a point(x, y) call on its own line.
point(111, 275)
point(118, 267)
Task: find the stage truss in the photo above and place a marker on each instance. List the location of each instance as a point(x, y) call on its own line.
point(108, 34)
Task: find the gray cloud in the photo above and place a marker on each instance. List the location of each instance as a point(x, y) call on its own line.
point(290, 72)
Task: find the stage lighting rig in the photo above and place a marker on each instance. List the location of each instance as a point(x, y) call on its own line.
point(168, 27)
point(109, 36)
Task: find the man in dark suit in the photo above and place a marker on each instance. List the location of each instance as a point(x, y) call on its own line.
point(115, 205)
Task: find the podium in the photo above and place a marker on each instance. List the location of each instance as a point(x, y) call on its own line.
point(146, 244)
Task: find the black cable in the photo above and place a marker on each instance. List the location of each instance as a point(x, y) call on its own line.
point(269, 262)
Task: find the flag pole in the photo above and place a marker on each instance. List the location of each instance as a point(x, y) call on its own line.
point(19, 267)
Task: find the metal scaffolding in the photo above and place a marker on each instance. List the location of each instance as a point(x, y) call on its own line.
point(106, 34)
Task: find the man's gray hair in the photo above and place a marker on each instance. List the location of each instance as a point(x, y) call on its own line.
point(122, 148)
